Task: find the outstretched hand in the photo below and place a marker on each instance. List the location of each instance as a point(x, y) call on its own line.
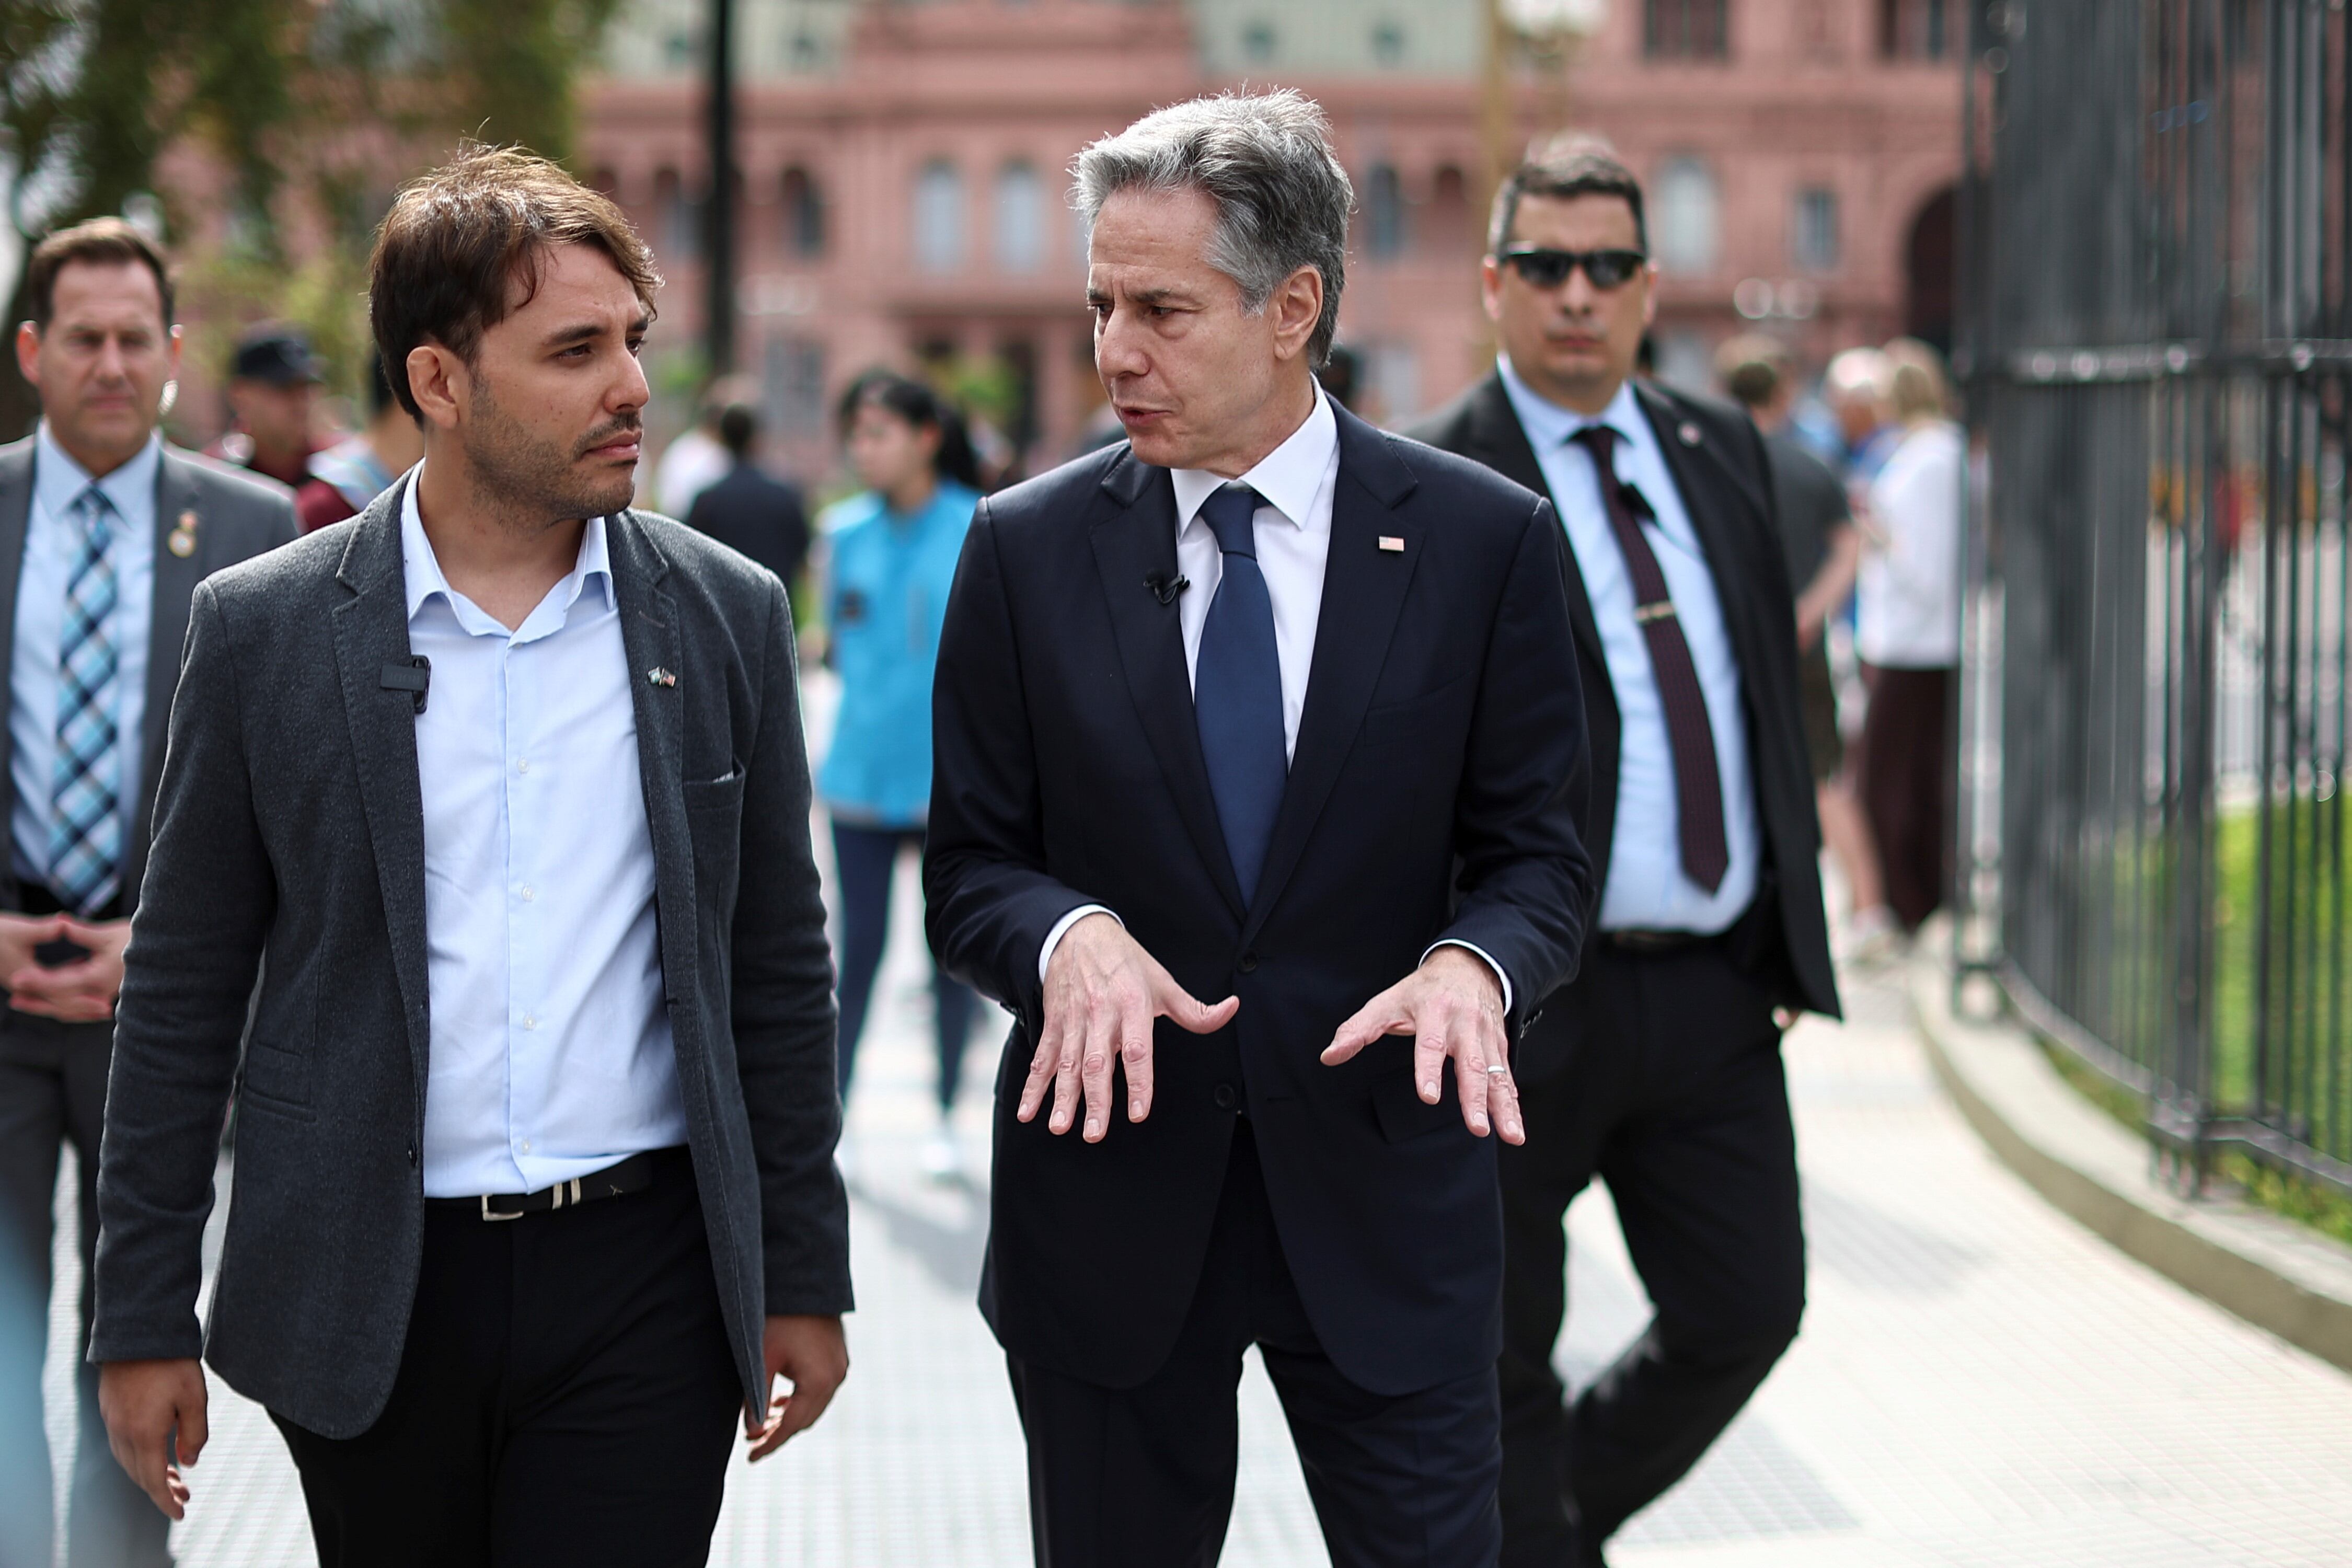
point(1102, 993)
point(1452, 1007)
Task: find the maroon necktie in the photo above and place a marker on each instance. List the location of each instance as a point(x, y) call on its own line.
point(1699, 787)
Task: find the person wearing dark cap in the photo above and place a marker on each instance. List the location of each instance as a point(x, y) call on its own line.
point(358, 469)
point(273, 391)
point(747, 509)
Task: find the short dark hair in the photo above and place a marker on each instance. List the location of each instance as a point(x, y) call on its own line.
point(738, 423)
point(1580, 172)
point(458, 239)
point(98, 242)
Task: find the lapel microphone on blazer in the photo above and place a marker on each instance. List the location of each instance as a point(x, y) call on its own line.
point(1165, 588)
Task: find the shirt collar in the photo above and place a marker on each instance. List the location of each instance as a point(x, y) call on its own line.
point(1550, 426)
point(60, 481)
point(1285, 478)
point(422, 569)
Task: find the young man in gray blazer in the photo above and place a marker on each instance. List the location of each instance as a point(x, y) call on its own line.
point(104, 534)
point(534, 1179)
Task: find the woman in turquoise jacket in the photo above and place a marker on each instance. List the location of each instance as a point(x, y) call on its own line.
point(893, 550)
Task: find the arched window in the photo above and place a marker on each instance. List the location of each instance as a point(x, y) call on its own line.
point(1685, 217)
point(1020, 218)
point(1383, 211)
point(939, 217)
point(803, 214)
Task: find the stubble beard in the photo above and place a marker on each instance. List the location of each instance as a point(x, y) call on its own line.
point(533, 482)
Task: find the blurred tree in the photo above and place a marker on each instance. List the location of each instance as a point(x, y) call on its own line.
point(282, 94)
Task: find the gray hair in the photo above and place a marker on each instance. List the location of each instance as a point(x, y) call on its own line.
point(1265, 159)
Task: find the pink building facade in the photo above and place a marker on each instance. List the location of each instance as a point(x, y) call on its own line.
point(907, 202)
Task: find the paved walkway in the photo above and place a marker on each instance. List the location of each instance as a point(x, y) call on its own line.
point(1980, 1382)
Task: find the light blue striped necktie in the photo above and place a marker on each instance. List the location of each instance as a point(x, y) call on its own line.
point(84, 824)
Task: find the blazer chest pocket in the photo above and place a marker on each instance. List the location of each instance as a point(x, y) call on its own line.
point(1414, 720)
point(722, 793)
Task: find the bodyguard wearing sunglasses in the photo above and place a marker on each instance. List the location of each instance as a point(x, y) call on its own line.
point(1659, 1067)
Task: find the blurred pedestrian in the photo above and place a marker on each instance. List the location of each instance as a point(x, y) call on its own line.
point(1659, 1069)
point(749, 511)
point(1908, 636)
point(1823, 549)
point(1856, 387)
point(1149, 793)
point(352, 472)
point(892, 552)
point(104, 534)
point(273, 399)
point(698, 458)
point(535, 1196)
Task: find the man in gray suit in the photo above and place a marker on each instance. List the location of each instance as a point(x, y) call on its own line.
point(534, 1188)
point(104, 534)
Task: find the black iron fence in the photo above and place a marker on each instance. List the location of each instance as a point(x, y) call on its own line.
point(2157, 339)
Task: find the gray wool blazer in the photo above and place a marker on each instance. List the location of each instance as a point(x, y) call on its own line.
point(289, 823)
point(236, 515)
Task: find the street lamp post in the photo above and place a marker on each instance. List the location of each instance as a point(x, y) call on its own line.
point(719, 238)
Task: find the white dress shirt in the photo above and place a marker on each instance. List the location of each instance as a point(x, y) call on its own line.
point(1908, 598)
point(1646, 890)
point(550, 1055)
point(53, 541)
point(1292, 527)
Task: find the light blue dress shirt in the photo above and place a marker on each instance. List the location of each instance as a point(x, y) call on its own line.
point(1646, 890)
point(53, 541)
point(550, 1055)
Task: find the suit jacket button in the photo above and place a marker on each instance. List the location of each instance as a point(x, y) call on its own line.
point(1226, 1097)
point(1249, 963)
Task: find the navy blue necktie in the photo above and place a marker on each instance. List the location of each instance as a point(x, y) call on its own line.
point(1237, 691)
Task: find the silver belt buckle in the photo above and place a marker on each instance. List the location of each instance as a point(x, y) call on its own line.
point(490, 1213)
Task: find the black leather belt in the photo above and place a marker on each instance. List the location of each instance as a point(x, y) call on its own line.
point(634, 1174)
point(1657, 941)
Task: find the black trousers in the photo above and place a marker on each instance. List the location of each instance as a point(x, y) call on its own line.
point(566, 1395)
point(1674, 1094)
point(53, 1089)
point(1143, 1477)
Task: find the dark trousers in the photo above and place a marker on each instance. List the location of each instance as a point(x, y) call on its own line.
point(1143, 1477)
point(865, 859)
point(1908, 786)
point(53, 1088)
point(1673, 1093)
point(566, 1395)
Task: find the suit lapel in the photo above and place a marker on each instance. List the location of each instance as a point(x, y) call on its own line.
point(16, 508)
point(1712, 496)
point(1363, 592)
point(175, 580)
point(1502, 446)
point(655, 646)
point(371, 629)
point(1134, 544)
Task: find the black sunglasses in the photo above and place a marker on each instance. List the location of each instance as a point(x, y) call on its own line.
point(1546, 268)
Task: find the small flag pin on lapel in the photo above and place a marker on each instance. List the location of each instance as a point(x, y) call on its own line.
point(1689, 433)
point(660, 677)
point(1391, 541)
point(182, 541)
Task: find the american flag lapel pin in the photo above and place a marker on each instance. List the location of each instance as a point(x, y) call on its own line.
point(1392, 543)
point(657, 676)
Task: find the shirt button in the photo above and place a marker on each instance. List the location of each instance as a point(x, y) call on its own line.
point(523, 765)
point(524, 1145)
point(527, 894)
point(531, 1020)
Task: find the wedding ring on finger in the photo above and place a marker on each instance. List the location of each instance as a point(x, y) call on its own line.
point(1498, 1070)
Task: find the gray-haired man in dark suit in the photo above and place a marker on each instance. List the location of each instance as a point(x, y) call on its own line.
point(534, 1190)
point(104, 534)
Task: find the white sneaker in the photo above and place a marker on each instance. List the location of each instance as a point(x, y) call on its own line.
point(943, 1160)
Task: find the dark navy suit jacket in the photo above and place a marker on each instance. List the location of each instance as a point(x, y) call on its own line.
point(1435, 791)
